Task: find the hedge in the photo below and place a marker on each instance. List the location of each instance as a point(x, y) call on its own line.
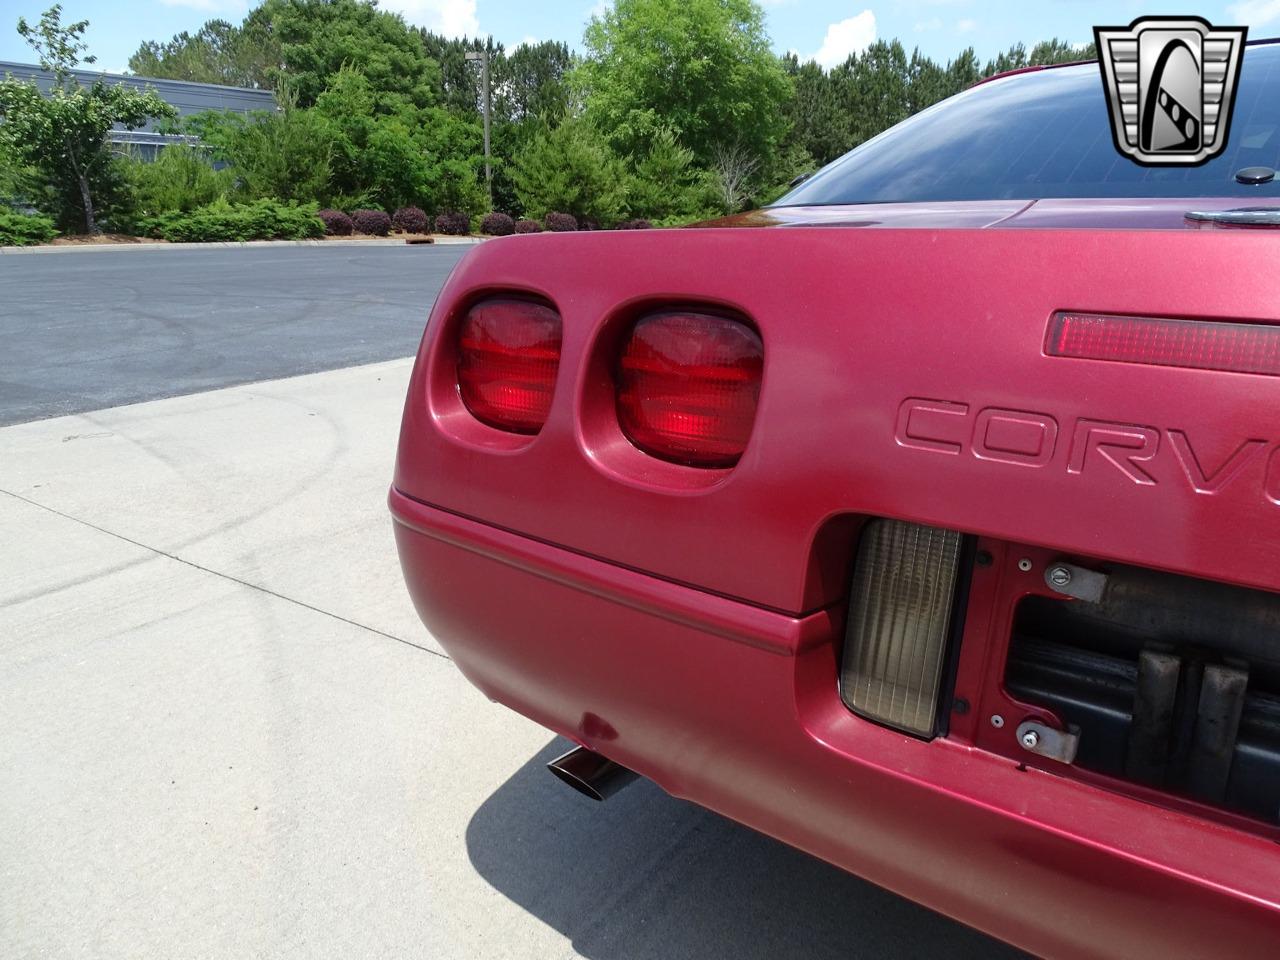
point(21, 230)
point(222, 221)
point(561, 222)
point(336, 223)
point(411, 220)
point(498, 225)
point(453, 224)
point(372, 223)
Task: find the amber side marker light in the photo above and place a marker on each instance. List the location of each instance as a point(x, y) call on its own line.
point(1198, 344)
point(900, 610)
point(688, 386)
point(508, 357)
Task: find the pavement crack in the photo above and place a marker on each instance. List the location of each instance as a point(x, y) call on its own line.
point(224, 576)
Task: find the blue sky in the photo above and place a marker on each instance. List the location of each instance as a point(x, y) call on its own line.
point(827, 29)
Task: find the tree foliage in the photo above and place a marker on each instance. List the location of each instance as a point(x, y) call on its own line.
point(701, 67)
point(218, 52)
point(63, 137)
point(835, 110)
point(677, 110)
point(298, 46)
point(180, 179)
point(666, 183)
point(283, 156)
point(571, 169)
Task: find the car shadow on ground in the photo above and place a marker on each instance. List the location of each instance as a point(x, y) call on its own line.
point(646, 875)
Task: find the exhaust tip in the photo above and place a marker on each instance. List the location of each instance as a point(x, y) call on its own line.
point(590, 773)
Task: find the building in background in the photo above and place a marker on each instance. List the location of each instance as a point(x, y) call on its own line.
point(186, 98)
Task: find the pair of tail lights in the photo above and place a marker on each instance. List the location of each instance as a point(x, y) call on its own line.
point(686, 383)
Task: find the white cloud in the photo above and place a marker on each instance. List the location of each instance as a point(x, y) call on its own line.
point(1254, 13)
point(966, 25)
point(599, 9)
point(525, 41)
point(210, 6)
point(934, 23)
point(846, 37)
point(450, 18)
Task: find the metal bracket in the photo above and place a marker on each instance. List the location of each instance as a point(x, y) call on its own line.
point(1045, 741)
point(1072, 581)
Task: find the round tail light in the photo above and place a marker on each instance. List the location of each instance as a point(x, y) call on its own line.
point(508, 355)
point(688, 386)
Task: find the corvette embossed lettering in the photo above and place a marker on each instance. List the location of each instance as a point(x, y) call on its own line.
point(1029, 439)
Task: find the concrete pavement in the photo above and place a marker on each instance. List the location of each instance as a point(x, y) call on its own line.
point(224, 733)
point(99, 327)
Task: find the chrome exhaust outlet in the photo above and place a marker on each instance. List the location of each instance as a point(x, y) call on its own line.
point(591, 774)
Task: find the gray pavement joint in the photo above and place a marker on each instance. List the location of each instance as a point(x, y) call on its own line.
point(217, 573)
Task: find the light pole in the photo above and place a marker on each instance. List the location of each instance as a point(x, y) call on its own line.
point(483, 57)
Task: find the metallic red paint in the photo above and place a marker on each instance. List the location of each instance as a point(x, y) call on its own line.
point(695, 614)
point(854, 324)
point(736, 708)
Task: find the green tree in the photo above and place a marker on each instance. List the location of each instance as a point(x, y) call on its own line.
point(702, 67)
point(1044, 53)
point(179, 179)
point(531, 83)
point(666, 184)
point(818, 124)
point(570, 169)
point(963, 72)
point(873, 89)
point(282, 156)
point(317, 38)
point(458, 86)
point(297, 47)
point(63, 137)
point(218, 52)
point(425, 157)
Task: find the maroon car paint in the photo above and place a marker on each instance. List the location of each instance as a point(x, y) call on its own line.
point(686, 622)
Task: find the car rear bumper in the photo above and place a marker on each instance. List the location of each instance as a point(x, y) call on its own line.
point(736, 708)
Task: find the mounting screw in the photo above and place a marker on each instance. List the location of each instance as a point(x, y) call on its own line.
point(997, 721)
point(960, 705)
point(983, 558)
point(1024, 564)
point(1059, 576)
point(1031, 739)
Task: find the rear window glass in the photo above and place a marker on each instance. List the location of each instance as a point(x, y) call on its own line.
point(1040, 135)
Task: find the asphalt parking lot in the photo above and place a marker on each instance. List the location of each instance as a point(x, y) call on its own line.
point(89, 329)
point(223, 730)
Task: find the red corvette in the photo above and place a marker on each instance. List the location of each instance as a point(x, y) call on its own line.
point(928, 520)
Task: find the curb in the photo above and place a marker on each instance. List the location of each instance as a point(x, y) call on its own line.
point(104, 247)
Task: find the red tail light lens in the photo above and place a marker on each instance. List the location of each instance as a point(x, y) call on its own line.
point(508, 355)
point(1201, 344)
point(688, 387)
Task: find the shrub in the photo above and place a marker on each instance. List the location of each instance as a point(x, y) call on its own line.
point(222, 221)
point(453, 224)
point(571, 168)
point(180, 179)
point(336, 223)
point(588, 223)
point(528, 226)
point(498, 225)
point(285, 155)
point(21, 230)
point(411, 220)
point(638, 224)
point(561, 222)
point(373, 223)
